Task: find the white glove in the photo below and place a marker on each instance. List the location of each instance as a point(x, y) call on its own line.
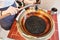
point(29, 1)
point(20, 0)
point(12, 10)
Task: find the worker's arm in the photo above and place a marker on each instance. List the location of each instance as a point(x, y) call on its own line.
point(10, 11)
point(3, 16)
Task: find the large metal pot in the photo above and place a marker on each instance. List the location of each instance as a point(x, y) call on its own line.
point(35, 23)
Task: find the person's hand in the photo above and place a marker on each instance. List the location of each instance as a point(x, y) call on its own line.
point(20, 0)
point(29, 1)
point(12, 10)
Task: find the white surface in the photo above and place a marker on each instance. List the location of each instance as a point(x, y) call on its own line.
point(6, 3)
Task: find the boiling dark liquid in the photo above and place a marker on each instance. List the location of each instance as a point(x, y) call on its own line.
point(35, 25)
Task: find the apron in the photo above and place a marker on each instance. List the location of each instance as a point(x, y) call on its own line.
point(7, 21)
